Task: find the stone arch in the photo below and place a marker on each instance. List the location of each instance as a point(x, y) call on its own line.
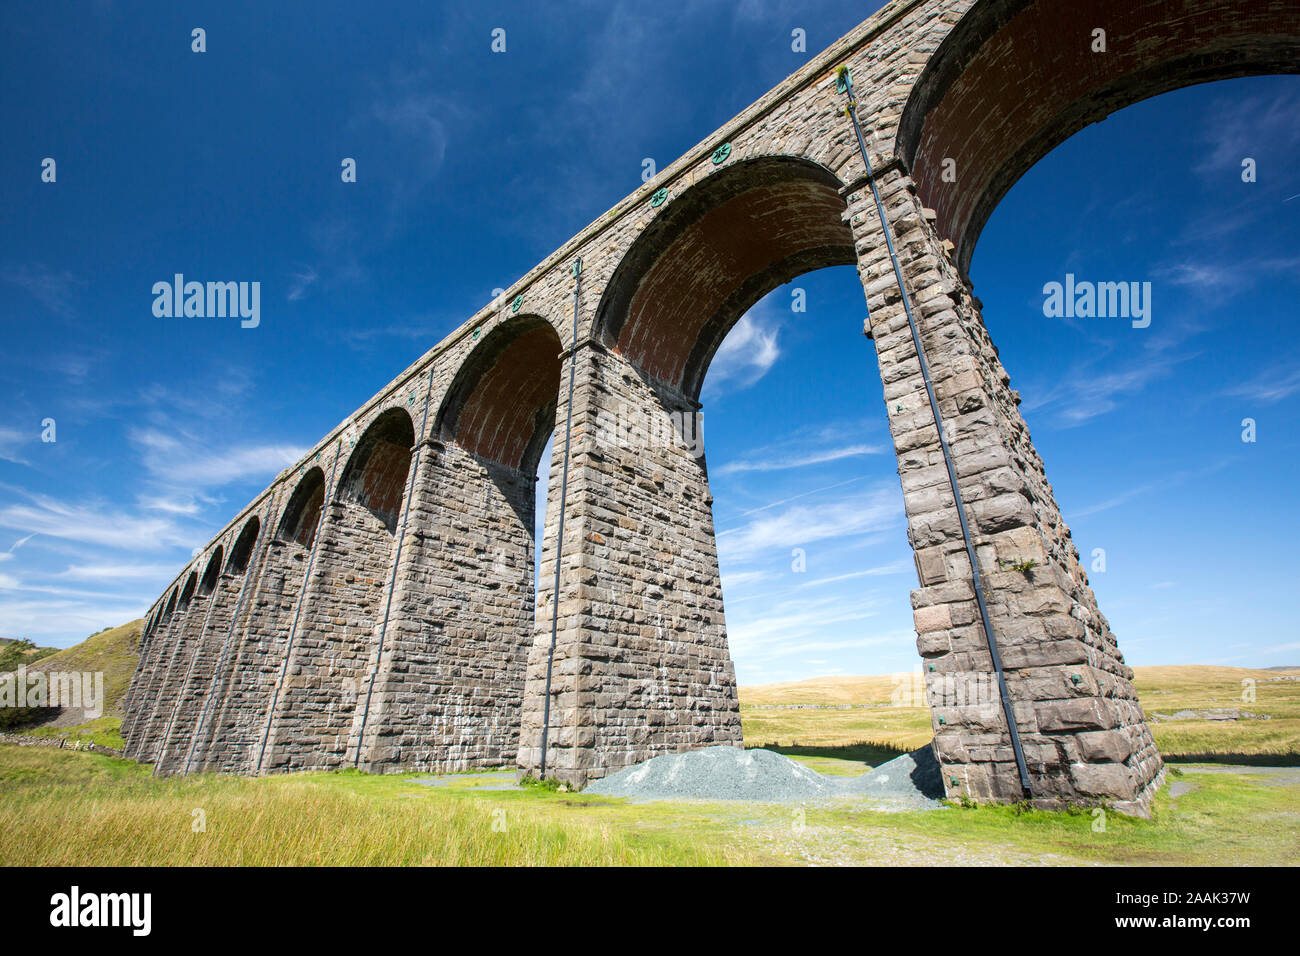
point(302, 513)
point(501, 404)
point(209, 580)
point(162, 662)
point(242, 552)
point(187, 593)
point(169, 607)
point(375, 476)
point(334, 643)
point(447, 694)
point(1015, 78)
point(717, 248)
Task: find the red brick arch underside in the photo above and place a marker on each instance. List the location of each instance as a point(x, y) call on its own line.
point(375, 476)
point(302, 513)
point(501, 404)
point(710, 254)
point(1015, 78)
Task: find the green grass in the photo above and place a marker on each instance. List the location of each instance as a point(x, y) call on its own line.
point(1226, 820)
point(113, 651)
point(61, 807)
point(66, 808)
point(104, 731)
point(76, 808)
point(1167, 690)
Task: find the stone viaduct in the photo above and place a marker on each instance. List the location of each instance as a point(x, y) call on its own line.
point(375, 606)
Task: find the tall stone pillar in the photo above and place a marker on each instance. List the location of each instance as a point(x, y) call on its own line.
point(1083, 732)
point(641, 665)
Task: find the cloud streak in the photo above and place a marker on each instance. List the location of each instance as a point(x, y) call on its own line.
point(801, 525)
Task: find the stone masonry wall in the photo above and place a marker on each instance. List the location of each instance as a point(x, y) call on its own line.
point(238, 720)
point(332, 645)
point(448, 692)
point(189, 695)
point(641, 664)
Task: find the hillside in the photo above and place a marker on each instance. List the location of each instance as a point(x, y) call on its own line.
point(14, 651)
point(112, 652)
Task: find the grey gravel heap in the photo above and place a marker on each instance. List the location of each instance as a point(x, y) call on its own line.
point(911, 781)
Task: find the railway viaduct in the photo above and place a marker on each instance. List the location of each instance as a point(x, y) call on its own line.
point(375, 606)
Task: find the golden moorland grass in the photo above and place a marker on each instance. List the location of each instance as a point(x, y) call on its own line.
point(771, 714)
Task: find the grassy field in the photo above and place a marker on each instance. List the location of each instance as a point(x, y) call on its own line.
point(1166, 690)
point(65, 807)
point(820, 729)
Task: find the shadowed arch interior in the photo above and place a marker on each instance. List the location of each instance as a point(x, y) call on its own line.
point(1015, 78)
point(242, 552)
point(302, 514)
point(209, 580)
point(501, 405)
point(187, 594)
point(375, 476)
point(170, 608)
point(712, 253)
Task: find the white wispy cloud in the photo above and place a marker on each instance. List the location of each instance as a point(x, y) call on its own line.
point(104, 525)
point(894, 567)
point(45, 618)
point(300, 282)
point(1161, 484)
point(187, 462)
point(801, 525)
point(55, 290)
point(119, 571)
point(747, 354)
point(803, 627)
point(186, 505)
point(1086, 392)
point(799, 461)
point(1271, 385)
point(1244, 128)
point(11, 439)
point(737, 579)
point(9, 555)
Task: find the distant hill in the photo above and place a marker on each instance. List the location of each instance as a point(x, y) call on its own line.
point(1235, 714)
point(11, 656)
point(113, 651)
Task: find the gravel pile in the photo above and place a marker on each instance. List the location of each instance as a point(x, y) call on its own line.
point(716, 773)
point(911, 781)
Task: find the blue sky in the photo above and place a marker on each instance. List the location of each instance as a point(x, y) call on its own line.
point(473, 166)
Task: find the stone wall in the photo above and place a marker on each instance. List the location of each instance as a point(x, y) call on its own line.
point(641, 665)
point(448, 693)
